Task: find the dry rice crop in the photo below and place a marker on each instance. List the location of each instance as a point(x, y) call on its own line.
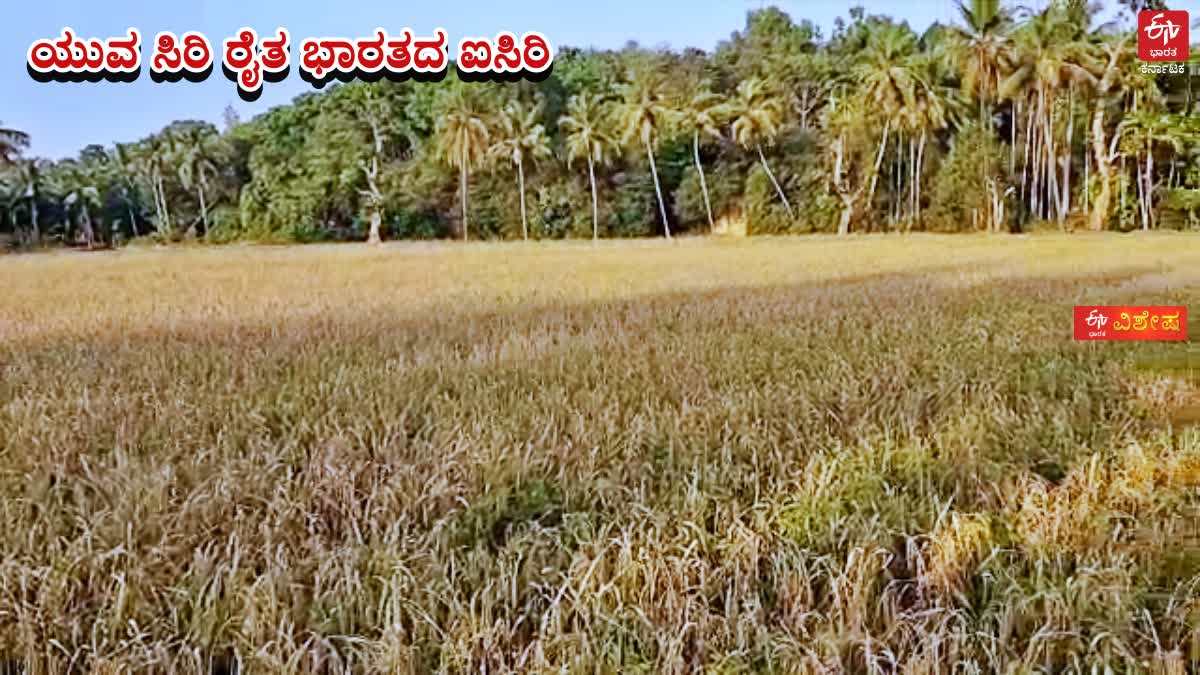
point(882, 454)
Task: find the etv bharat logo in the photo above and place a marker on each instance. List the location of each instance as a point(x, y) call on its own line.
point(1131, 323)
point(1163, 35)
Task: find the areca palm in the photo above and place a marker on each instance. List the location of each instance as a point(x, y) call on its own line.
point(702, 115)
point(759, 121)
point(643, 116)
point(12, 144)
point(519, 136)
point(588, 136)
point(462, 137)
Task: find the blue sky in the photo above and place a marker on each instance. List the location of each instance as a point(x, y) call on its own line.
point(63, 117)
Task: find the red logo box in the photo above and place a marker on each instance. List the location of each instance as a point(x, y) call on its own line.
point(1093, 322)
point(1163, 35)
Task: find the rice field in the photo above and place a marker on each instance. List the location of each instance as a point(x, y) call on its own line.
point(883, 454)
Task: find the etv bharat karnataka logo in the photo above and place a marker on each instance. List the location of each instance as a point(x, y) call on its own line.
point(1163, 35)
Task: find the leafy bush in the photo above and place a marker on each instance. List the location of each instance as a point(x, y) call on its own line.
point(635, 207)
point(960, 195)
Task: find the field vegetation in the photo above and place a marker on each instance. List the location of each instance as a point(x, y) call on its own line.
point(880, 454)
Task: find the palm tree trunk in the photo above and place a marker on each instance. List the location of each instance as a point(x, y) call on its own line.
point(778, 188)
point(165, 225)
point(1065, 204)
point(895, 215)
point(839, 186)
point(1148, 192)
point(662, 206)
point(462, 184)
point(595, 200)
point(1015, 115)
point(89, 235)
point(1087, 172)
point(373, 235)
point(203, 207)
point(162, 191)
point(33, 217)
point(1141, 203)
point(920, 172)
point(158, 209)
point(521, 182)
point(132, 219)
point(912, 180)
point(878, 162)
point(703, 182)
point(1103, 171)
point(1026, 188)
point(1124, 187)
point(1036, 182)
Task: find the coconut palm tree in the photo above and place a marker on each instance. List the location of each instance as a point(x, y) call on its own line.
point(702, 116)
point(121, 162)
point(27, 184)
point(586, 125)
point(519, 136)
point(891, 78)
point(462, 139)
point(75, 186)
point(644, 116)
point(983, 50)
point(1116, 54)
point(12, 144)
point(934, 107)
point(195, 154)
point(758, 122)
point(1048, 61)
point(152, 157)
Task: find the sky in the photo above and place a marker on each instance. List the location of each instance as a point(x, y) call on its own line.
point(62, 118)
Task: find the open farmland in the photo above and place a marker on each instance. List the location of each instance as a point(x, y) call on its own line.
point(878, 454)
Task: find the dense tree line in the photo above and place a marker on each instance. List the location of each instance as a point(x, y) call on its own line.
point(1004, 121)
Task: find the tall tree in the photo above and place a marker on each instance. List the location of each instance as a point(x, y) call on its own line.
point(195, 155)
point(28, 183)
point(1115, 56)
point(644, 115)
point(1050, 61)
point(153, 157)
point(588, 136)
point(74, 183)
point(983, 51)
point(759, 121)
point(702, 115)
point(462, 134)
point(891, 79)
point(519, 136)
point(121, 162)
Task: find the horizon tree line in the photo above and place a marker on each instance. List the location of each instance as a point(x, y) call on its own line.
point(1004, 121)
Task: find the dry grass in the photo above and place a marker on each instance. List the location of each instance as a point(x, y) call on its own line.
point(770, 455)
